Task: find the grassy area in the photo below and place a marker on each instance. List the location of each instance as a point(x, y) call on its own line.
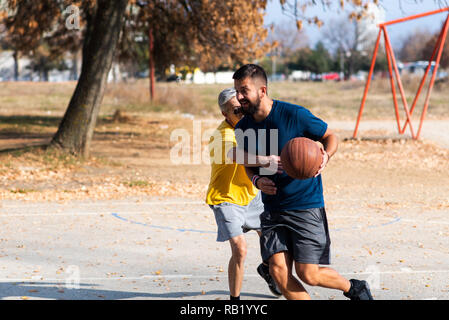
point(31, 112)
point(330, 100)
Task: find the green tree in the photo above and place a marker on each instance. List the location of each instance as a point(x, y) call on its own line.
point(320, 60)
point(428, 49)
point(317, 60)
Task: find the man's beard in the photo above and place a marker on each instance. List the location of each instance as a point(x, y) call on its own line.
point(252, 107)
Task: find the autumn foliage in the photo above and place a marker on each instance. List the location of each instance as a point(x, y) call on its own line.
point(196, 33)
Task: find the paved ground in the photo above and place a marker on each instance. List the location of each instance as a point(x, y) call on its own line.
point(166, 249)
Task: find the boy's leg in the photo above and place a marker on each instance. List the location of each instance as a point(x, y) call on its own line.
point(236, 264)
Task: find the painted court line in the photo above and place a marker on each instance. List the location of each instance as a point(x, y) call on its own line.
point(121, 217)
point(146, 212)
point(151, 203)
point(209, 276)
point(116, 215)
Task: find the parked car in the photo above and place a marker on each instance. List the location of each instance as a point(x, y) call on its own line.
point(299, 75)
point(276, 77)
point(316, 77)
point(331, 76)
point(173, 78)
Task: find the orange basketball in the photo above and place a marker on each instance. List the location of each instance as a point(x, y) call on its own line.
point(301, 158)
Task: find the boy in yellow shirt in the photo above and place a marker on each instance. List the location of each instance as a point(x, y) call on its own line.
point(234, 199)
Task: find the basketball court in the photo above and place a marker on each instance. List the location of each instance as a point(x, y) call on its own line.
point(162, 248)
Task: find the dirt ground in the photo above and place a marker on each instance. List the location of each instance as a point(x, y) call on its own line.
point(133, 159)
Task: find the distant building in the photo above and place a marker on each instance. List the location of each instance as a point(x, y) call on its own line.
point(418, 68)
point(199, 77)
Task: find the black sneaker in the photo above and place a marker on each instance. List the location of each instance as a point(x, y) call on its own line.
point(359, 290)
point(264, 272)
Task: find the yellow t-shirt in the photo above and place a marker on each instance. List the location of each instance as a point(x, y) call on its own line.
point(229, 181)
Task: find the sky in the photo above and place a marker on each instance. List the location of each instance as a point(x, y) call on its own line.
point(394, 9)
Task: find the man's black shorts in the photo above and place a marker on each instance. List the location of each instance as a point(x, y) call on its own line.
point(304, 233)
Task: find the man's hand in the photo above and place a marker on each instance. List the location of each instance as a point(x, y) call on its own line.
point(266, 185)
point(324, 163)
point(272, 164)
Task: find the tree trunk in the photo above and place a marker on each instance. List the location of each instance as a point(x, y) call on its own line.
point(16, 65)
point(103, 29)
point(151, 62)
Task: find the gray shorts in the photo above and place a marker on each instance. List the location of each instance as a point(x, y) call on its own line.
point(304, 233)
point(233, 220)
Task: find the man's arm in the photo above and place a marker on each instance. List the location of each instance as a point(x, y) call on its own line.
point(330, 142)
point(330, 145)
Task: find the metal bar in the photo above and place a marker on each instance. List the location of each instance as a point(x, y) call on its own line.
point(393, 86)
point(368, 82)
point(413, 17)
point(432, 81)
point(421, 85)
point(398, 78)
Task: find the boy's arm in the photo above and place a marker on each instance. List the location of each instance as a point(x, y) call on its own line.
point(264, 184)
point(242, 157)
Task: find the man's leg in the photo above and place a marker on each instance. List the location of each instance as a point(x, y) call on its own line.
point(236, 264)
point(281, 270)
point(263, 270)
point(314, 275)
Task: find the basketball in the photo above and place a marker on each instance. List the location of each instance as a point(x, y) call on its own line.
point(301, 158)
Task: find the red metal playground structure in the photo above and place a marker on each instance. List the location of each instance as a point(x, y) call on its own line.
point(437, 51)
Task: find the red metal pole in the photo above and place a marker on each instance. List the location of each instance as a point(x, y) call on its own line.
point(421, 85)
point(368, 82)
point(414, 17)
point(151, 62)
point(432, 81)
point(398, 77)
point(393, 85)
point(391, 59)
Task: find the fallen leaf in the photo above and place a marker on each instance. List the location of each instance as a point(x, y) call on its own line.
point(367, 249)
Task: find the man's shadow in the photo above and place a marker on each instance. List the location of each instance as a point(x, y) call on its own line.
point(59, 291)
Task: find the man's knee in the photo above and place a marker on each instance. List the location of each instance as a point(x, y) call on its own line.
point(309, 274)
point(278, 271)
